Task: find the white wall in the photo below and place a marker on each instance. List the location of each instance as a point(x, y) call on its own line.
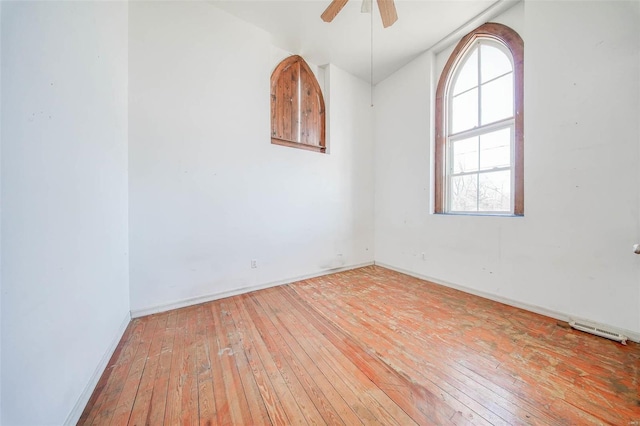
point(0, 214)
point(64, 194)
point(571, 253)
point(208, 191)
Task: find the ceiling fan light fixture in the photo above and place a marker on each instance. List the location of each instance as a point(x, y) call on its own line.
point(366, 6)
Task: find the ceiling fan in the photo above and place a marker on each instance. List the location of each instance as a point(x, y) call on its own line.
point(387, 11)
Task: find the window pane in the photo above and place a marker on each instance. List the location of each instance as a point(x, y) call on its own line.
point(495, 149)
point(493, 63)
point(464, 111)
point(464, 190)
point(465, 155)
point(468, 76)
point(494, 191)
point(497, 99)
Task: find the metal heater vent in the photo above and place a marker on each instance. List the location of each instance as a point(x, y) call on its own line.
point(598, 331)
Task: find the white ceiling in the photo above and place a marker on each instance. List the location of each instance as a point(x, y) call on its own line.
point(346, 42)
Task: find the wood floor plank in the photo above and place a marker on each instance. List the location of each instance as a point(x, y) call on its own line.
point(322, 393)
point(279, 400)
point(268, 334)
point(141, 404)
point(512, 361)
point(366, 346)
point(99, 393)
point(156, 411)
point(436, 374)
point(423, 406)
point(530, 415)
point(331, 384)
point(174, 388)
point(107, 402)
point(189, 373)
point(206, 398)
point(371, 332)
point(256, 406)
point(222, 409)
point(238, 407)
point(129, 392)
point(327, 355)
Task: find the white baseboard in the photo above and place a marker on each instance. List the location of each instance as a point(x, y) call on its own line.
point(82, 401)
point(633, 336)
point(137, 313)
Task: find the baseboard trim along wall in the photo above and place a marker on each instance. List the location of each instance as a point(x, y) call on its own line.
point(137, 313)
point(81, 403)
point(633, 336)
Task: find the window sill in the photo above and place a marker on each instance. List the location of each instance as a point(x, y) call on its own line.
point(283, 142)
point(479, 214)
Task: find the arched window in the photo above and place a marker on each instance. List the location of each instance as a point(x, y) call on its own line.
point(297, 106)
point(479, 125)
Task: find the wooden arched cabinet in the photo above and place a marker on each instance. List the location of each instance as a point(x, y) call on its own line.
point(297, 106)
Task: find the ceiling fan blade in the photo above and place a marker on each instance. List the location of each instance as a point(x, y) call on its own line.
point(333, 9)
point(387, 12)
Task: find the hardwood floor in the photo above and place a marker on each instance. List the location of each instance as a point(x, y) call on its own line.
point(368, 346)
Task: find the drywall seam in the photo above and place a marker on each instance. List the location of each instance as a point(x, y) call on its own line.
point(137, 313)
point(82, 401)
point(527, 307)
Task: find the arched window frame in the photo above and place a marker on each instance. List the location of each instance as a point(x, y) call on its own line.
point(310, 106)
point(515, 45)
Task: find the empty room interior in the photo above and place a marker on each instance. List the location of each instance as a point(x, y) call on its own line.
point(320, 212)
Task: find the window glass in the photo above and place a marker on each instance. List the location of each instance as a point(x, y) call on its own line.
point(468, 75)
point(464, 191)
point(497, 99)
point(464, 111)
point(494, 62)
point(494, 191)
point(495, 149)
point(465, 155)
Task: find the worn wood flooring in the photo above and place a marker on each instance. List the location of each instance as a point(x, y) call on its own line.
point(367, 346)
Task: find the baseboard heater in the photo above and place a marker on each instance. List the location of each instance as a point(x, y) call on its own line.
point(598, 331)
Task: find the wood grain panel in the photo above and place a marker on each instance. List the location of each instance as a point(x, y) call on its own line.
point(368, 346)
point(297, 106)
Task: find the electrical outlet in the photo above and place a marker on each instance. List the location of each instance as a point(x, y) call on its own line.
point(254, 263)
